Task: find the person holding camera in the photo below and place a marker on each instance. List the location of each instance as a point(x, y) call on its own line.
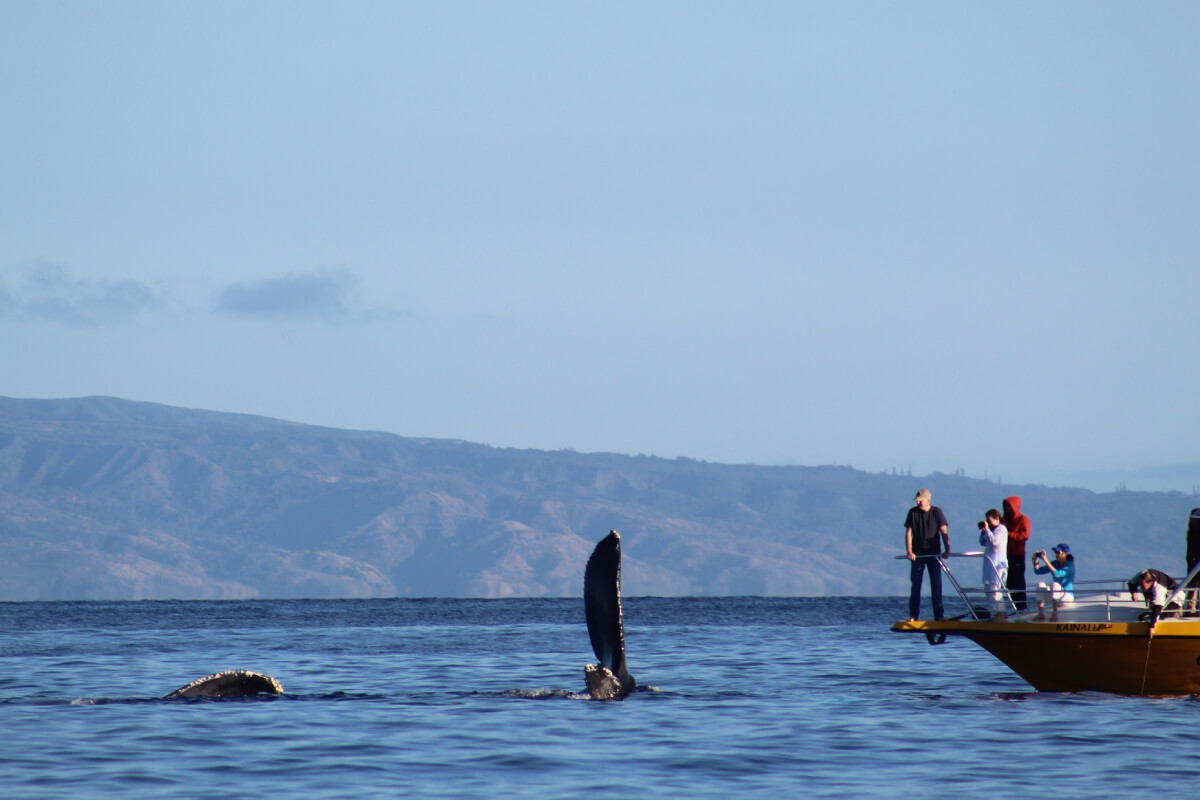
point(993, 536)
point(1062, 590)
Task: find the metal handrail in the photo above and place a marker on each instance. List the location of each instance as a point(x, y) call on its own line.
point(1104, 589)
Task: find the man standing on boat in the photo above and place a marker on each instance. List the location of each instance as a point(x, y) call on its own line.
point(1018, 528)
point(922, 528)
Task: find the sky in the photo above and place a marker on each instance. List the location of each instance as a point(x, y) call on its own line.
point(926, 236)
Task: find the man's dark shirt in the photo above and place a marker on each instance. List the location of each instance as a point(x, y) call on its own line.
point(926, 526)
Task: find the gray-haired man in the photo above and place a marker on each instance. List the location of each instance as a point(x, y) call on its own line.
point(923, 527)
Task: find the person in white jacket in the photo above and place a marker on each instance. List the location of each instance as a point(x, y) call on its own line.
point(993, 536)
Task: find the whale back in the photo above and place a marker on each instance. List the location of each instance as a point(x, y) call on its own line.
point(602, 607)
point(231, 683)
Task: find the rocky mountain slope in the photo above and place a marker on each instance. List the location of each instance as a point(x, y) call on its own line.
point(103, 498)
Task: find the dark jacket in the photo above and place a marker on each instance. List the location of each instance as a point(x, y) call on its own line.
point(1193, 539)
point(1169, 583)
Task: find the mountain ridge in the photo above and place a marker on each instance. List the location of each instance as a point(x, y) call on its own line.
point(104, 498)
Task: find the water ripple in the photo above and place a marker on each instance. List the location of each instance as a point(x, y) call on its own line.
point(467, 698)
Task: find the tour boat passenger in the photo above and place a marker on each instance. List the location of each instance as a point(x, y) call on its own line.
point(1135, 583)
point(993, 537)
point(1156, 597)
point(1062, 590)
point(1193, 558)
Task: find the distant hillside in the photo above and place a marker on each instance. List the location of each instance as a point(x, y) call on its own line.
point(103, 498)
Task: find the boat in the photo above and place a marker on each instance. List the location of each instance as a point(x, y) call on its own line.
point(1101, 642)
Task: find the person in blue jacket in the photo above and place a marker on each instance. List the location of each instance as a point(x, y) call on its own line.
point(1062, 570)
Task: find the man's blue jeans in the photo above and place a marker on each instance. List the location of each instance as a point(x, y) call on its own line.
point(916, 569)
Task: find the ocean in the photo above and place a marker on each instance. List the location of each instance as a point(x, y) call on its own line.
point(439, 698)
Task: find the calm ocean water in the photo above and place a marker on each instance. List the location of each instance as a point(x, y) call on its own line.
point(752, 697)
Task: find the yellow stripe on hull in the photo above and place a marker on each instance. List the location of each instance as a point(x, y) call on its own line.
point(1087, 656)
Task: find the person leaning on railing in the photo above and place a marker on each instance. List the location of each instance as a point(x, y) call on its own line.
point(1160, 577)
point(1062, 569)
point(1156, 597)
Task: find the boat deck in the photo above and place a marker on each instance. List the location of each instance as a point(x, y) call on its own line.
point(1095, 643)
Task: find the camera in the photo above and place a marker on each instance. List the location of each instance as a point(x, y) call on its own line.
point(982, 525)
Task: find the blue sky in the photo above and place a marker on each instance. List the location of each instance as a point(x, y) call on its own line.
point(928, 236)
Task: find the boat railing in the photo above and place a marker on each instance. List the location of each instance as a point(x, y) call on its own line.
point(1112, 595)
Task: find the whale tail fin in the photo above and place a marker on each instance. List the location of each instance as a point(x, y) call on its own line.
point(602, 607)
point(231, 683)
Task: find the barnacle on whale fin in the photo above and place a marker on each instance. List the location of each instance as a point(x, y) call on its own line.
point(601, 683)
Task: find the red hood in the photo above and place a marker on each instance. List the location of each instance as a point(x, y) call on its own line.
point(1018, 527)
point(1014, 503)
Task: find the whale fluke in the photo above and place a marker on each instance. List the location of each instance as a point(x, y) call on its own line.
point(602, 607)
point(231, 683)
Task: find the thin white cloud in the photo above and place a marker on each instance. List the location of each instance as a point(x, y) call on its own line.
point(313, 296)
point(327, 296)
point(52, 293)
point(46, 292)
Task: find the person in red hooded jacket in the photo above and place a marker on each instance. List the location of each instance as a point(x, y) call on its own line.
point(1018, 533)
